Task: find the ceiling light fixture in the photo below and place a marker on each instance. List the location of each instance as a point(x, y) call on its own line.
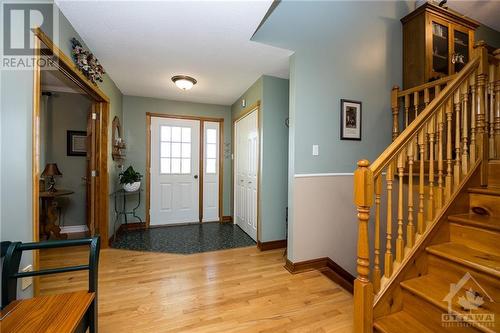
point(184, 82)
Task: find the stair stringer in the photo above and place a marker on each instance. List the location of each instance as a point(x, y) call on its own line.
point(390, 298)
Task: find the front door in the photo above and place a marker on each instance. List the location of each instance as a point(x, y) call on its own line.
point(175, 145)
point(246, 166)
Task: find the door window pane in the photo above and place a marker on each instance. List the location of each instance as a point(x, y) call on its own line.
point(186, 166)
point(165, 133)
point(211, 150)
point(211, 135)
point(165, 149)
point(186, 150)
point(176, 134)
point(176, 165)
point(186, 134)
point(176, 149)
point(164, 165)
point(211, 165)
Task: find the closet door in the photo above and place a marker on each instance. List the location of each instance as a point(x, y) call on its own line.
point(246, 166)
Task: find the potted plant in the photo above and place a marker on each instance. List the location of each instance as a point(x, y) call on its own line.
point(130, 179)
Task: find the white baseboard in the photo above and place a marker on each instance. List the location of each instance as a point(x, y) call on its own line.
point(71, 229)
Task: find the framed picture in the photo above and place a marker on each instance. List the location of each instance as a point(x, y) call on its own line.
point(350, 120)
point(76, 143)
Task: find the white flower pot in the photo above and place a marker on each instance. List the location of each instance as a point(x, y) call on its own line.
point(132, 187)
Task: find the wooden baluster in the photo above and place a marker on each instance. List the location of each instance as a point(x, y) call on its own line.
point(497, 105)
point(472, 146)
point(432, 138)
point(363, 288)
point(407, 110)
point(388, 264)
point(377, 274)
point(426, 97)
point(410, 228)
point(456, 169)
point(465, 128)
point(415, 103)
point(491, 109)
point(400, 244)
point(440, 133)
point(421, 189)
point(395, 112)
point(449, 161)
point(481, 126)
point(437, 90)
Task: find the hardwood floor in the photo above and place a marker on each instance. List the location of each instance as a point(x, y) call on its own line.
point(239, 290)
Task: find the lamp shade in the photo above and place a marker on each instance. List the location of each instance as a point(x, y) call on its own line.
point(51, 169)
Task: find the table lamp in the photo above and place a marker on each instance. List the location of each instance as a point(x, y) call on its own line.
point(51, 170)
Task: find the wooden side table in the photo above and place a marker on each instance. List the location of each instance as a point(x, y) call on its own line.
point(49, 213)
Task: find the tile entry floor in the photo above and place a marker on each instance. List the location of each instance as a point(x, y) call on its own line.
point(184, 239)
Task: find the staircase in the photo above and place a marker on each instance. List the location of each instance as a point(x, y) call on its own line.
point(429, 210)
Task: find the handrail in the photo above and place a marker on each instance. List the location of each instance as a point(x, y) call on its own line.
point(399, 143)
point(427, 85)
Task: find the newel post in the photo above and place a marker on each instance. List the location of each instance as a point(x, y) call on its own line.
point(363, 287)
point(481, 121)
point(395, 112)
point(496, 106)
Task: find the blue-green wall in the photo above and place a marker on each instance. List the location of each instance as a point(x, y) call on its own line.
point(134, 125)
point(273, 95)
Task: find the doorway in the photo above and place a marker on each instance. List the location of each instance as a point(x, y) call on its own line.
point(246, 170)
point(184, 182)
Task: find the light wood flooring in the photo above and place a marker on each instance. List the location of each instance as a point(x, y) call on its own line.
point(239, 290)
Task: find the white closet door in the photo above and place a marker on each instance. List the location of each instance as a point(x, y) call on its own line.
point(246, 168)
point(211, 171)
point(175, 164)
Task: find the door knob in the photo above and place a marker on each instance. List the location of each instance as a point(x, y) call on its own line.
point(195, 176)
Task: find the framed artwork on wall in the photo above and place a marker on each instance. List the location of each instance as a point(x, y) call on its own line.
point(76, 143)
point(350, 120)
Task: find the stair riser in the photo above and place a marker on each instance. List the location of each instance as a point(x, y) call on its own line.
point(494, 174)
point(453, 272)
point(420, 308)
point(477, 238)
point(491, 203)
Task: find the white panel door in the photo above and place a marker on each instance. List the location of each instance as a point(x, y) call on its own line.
point(246, 166)
point(211, 171)
point(175, 145)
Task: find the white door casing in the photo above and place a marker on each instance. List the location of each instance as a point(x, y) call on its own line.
point(174, 196)
point(246, 169)
point(211, 156)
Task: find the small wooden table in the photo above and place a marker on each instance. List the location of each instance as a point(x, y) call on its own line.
point(54, 313)
point(49, 213)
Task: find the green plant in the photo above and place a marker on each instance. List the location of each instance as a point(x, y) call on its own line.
point(129, 176)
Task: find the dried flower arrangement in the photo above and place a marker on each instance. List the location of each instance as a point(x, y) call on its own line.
point(87, 62)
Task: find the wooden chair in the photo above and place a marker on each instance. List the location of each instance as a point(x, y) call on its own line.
point(10, 274)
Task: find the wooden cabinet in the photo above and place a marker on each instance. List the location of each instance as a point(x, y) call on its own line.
point(437, 42)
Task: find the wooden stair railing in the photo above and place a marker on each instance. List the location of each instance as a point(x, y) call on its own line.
point(450, 134)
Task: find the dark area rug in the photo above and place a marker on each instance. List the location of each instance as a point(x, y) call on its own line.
point(184, 239)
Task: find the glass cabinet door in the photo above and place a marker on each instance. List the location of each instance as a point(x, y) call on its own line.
point(460, 55)
point(440, 40)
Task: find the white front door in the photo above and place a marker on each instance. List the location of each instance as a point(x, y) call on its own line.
point(246, 166)
point(211, 157)
point(175, 145)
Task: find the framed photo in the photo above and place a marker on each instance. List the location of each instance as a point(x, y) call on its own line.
point(350, 120)
point(76, 143)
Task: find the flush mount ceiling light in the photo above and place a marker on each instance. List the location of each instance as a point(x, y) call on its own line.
point(184, 82)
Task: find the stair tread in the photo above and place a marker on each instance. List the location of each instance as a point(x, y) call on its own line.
point(401, 322)
point(476, 220)
point(485, 190)
point(435, 289)
point(462, 254)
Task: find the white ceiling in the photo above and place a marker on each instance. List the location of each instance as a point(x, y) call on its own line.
point(143, 44)
point(485, 11)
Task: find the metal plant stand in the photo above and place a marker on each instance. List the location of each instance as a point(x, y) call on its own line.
point(123, 211)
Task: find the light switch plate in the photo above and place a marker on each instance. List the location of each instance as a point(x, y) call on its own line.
point(27, 281)
point(315, 150)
